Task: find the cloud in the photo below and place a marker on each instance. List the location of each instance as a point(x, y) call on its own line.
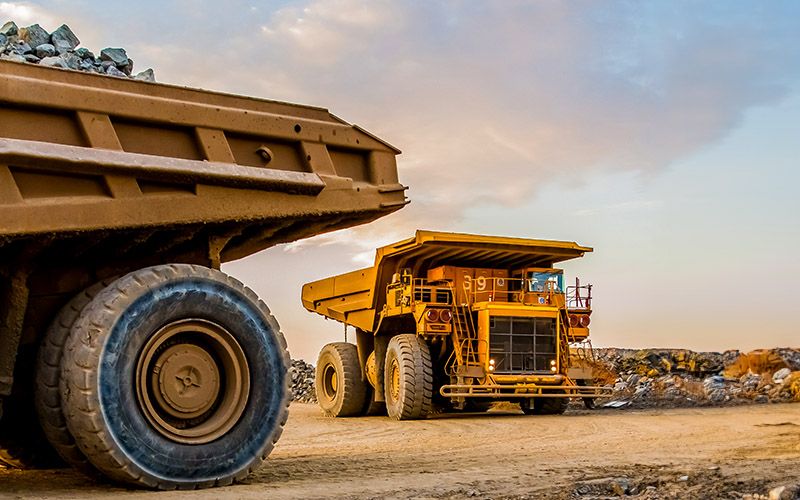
point(25, 14)
point(490, 101)
point(324, 33)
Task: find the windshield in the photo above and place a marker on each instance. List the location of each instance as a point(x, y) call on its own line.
point(544, 282)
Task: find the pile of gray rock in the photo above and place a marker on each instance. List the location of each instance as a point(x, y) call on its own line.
point(303, 375)
point(59, 49)
point(678, 377)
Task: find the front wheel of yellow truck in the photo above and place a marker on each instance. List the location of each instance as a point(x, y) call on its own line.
point(175, 376)
point(408, 378)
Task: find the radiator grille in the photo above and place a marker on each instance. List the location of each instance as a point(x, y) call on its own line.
point(522, 345)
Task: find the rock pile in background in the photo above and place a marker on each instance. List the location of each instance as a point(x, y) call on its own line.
point(665, 377)
point(679, 377)
point(302, 375)
point(59, 49)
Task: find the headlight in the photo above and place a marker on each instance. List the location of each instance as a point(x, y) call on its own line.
point(445, 316)
point(585, 321)
point(573, 320)
point(432, 315)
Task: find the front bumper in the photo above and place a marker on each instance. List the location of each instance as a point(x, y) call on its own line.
point(524, 390)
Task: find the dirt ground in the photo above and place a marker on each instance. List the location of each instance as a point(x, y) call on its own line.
point(725, 452)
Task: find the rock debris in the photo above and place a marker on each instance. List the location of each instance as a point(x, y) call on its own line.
point(303, 375)
point(680, 377)
point(59, 49)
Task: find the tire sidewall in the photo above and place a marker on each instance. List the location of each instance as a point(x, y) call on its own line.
point(259, 338)
point(393, 408)
point(329, 357)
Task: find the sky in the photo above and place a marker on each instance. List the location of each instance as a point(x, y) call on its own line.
point(664, 134)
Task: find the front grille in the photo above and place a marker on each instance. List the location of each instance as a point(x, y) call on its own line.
point(522, 345)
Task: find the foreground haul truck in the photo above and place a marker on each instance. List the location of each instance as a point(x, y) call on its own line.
point(465, 319)
point(119, 200)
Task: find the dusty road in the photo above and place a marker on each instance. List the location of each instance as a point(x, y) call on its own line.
point(725, 452)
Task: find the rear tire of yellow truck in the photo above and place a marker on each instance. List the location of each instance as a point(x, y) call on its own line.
point(47, 393)
point(175, 376)
point(545, 406)
point(372, 408)
point(478, 406)
point(408, 378)
point(341, 392)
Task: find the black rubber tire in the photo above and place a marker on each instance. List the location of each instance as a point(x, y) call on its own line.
point(415, 394)
point(372, 408)
point(98, 371)
point(546, 406)
point(23, 445)
point(589, 403)
point(47, 394)
point(478, 405)
point(347, 396)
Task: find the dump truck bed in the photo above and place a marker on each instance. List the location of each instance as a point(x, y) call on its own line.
point(92, 165)
point(356, 297)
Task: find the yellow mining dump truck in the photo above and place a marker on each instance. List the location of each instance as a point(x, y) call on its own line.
point(119, 200)
point(466, 319)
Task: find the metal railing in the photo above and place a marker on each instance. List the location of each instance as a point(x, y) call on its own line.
point(493, 289)
point(579, 296)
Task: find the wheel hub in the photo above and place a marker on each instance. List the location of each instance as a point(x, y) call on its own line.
point(192, 381)
point(330, 382)
point(188, 380)
point(394, 389)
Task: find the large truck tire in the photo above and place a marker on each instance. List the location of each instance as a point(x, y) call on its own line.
point(474, 405)
point(546, 406)
point(341, 392)
point(589, 403)
point(23, 445)
point(371, 407)
point(175, 376)
point(47, 394)
point(408, 378)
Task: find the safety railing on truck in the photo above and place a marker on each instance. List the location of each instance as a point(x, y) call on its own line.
point(422, 291)
point(579, 297)
point(490, 289)
point(496, 289)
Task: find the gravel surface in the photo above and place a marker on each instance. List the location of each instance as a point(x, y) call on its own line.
point(701, 453)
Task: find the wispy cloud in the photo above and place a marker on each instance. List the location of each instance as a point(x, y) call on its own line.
point(622, 207)
point(27, 13)
point(490, 101)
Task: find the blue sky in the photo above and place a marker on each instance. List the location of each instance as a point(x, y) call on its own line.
point(663, 134)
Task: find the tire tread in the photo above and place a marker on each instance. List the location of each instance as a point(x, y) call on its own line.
point(414, 359)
